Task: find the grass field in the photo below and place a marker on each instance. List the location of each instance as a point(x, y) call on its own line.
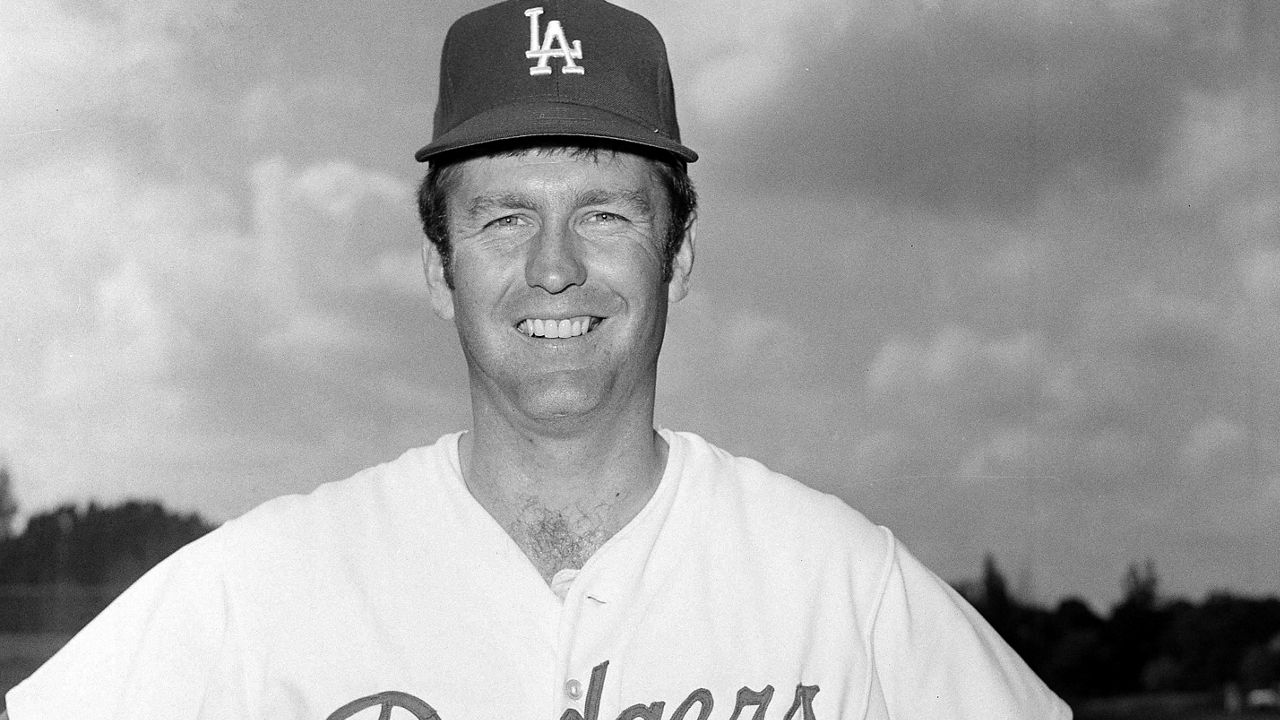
point(22, 653)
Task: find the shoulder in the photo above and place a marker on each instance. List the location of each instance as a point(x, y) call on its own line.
point(364, 506)
point(368, 492)
point(937, 657)
point(769, 504)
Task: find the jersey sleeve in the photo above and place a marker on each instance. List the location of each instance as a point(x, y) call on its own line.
point(936, 657)
point(151, 653)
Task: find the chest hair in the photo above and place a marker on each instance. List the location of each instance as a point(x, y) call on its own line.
point(555, 540)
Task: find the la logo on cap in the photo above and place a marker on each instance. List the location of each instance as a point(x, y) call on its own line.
point(626, 97)
point(553, 44)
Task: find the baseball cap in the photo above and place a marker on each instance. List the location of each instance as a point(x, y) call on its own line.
point(525, 69)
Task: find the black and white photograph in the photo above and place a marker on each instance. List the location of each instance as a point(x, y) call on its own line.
point(581, 360)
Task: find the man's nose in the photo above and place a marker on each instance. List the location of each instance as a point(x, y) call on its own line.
point(555, 262)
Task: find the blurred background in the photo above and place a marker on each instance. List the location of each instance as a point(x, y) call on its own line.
point(1003, 274)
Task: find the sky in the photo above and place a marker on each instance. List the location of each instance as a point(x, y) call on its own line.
point(1002, 274)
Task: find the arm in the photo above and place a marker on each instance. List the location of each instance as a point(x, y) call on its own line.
point(944, 661)
point(169, 624)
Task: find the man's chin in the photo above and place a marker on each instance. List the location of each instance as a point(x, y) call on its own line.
point(561, 408)
point(566, 398)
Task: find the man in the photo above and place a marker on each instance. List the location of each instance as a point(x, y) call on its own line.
point(561, 558)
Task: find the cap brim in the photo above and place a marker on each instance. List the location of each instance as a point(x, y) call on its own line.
point(550, 119)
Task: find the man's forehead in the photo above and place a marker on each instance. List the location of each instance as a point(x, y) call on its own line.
point(551, 152)
point(604, 170)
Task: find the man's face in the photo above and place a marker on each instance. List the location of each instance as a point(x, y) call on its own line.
point(558, 294)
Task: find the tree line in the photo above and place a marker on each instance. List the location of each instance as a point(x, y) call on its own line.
point(1146, 643)
point(95, 545)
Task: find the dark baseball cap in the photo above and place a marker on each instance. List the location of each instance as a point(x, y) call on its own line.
point(528, 69)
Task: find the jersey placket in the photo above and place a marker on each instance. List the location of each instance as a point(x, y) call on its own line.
point(604, 605)
point(587, 637)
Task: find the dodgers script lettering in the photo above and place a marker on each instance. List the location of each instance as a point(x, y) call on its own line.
point(748, 704)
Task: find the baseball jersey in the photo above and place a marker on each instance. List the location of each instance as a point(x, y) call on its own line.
point(735, 594)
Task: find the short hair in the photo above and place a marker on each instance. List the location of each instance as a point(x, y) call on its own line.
point(672, 174)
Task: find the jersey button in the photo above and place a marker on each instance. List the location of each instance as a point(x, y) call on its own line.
point(573, 689)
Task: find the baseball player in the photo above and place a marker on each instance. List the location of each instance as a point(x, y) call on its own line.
point(561, 558)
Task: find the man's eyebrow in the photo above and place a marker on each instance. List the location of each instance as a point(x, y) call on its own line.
point(633, 198)
point(482, 204)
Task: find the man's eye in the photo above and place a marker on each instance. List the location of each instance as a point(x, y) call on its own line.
point(606, 217)
point(507, 221)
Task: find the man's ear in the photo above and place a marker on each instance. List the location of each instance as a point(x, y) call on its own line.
point(682, 263)
point(437, 288)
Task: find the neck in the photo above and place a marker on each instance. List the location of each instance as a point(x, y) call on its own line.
point(594, 469)
point(561, 496)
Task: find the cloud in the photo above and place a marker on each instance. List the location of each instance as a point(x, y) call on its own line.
point(1260, 275)
point(958, 369)
point(131, 340)
point(736, 345)
point(308, 340)
point(273, 109)
point(1102, 394)
point(1210, 439)
point(970, 104)
point(1221, 141)
point(79, 69)
point(56, 62)
point(1009, 453)
point(877, 455)
point(747, 377)
point(756, 49)
point(1071, 324)
point(156, 334)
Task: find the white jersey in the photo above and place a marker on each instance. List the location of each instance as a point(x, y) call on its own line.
point(735, 594)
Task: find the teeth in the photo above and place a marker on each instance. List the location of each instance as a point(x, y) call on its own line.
point(556, 329)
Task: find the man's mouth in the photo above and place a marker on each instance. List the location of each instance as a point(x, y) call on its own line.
point(558, 328)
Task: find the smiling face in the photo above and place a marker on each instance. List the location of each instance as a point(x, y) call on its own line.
point(558, 293)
